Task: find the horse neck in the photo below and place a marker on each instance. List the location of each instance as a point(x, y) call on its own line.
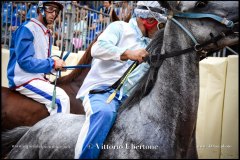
point(174, 98)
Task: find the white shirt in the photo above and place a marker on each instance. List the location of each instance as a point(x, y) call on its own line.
point(107, 67)
point(29, 54)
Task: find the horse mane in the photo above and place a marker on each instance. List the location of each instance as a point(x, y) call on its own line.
point(146, 83)
point(127, 19)
point(114, 16)
point(167, 4)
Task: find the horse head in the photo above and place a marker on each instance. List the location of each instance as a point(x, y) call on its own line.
point(206, 20)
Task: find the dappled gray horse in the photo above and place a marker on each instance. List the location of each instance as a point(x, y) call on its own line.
point(159, 119)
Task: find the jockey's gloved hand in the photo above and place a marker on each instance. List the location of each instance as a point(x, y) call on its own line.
point(135, 55)
point(59, 64)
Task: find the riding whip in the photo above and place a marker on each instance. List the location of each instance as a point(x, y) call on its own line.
point(55, 83)
point(110, 98)
point(54, 92)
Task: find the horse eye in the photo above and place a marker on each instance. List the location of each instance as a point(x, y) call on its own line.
point(201, 4)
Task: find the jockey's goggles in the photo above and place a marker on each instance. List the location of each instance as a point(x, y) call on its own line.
point(51, 9)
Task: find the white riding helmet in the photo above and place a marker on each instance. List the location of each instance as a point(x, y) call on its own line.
point(41, 8)
point(156, 11)
point(42, 3)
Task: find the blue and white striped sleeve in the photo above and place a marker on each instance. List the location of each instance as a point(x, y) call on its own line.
point(24, 50)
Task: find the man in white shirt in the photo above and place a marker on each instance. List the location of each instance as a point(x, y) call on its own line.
point(113, 53)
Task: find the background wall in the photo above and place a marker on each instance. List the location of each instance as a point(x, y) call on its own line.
point(217, 123)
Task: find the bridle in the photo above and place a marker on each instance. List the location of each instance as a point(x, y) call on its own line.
point(199, 48)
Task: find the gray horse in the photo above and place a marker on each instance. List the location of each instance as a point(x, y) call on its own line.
point(159, 119)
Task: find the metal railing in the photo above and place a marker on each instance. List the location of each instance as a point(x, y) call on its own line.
point(73, 30)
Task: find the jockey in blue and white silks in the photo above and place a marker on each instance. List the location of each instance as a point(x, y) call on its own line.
point(107, 67)
point(30, 59)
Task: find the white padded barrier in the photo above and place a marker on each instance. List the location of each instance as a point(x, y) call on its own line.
point(4, 57)
point(217, 123)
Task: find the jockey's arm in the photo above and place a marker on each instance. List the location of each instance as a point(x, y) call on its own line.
point(25, 54)
point(105, 48)
point(134, 55)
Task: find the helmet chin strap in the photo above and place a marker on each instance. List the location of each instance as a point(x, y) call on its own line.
point(44, 16)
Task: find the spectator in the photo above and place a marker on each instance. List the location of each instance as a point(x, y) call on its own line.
point(80, 30)
point(117, 7)
point(125, 11)
point(32, 12)
point(14, 14)
point(107, 9)
point(75, 2)
point(57, 35)
point(18, 20)
point(7, 10)
point(21, 13)
point(93, 26)
point(100, 5)
point(55, 29)
point(6, 21)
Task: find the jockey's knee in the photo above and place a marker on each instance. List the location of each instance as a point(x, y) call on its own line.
point(62, 95)
point(64, 100)
point(65, 97)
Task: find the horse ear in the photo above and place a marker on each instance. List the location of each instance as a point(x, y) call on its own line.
point(170, 5)
point(165, 4)
point(114, 16)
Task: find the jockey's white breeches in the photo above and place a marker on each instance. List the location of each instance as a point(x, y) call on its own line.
point(42, 92)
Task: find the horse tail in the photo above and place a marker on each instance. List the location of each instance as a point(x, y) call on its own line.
point(11, 137)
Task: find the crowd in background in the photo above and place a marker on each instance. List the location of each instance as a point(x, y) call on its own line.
point(79, 25)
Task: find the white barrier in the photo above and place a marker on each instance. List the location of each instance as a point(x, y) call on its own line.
point(230, 125)
point(217, 123)
point(5, 57)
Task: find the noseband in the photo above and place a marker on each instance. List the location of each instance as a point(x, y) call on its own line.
point(197, 47)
